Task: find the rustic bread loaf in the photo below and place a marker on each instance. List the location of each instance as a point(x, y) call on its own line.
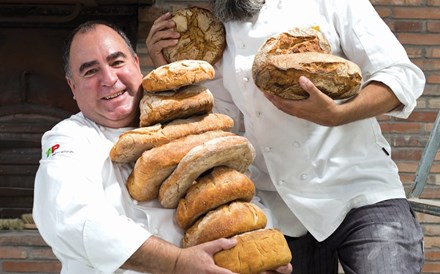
point(233, 151)
point(177, 74)
point(256, 251)
point(131, 144)
point(284, 57)
point(224, 222)
point(156, 164)
point(202, 36)
point(335, 76)
point(166, 106)
point(220, 186)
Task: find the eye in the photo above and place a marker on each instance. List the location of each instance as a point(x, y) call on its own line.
point(90, 72)
point(118, 63)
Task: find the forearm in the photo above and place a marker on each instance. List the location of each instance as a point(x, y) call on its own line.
point(375, 99)
point(154, 256)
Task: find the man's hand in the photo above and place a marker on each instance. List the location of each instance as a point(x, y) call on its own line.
point(199, 258)
point(161, 36)
point(318, 107)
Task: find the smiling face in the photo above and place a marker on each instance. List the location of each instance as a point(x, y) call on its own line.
point(105, 77)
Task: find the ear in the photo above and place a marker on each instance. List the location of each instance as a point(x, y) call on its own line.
point(71, 84)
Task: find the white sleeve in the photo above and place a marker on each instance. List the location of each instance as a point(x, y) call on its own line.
point(368, 41)
point(72, 213)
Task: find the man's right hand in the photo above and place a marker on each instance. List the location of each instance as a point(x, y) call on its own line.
point(161, 36)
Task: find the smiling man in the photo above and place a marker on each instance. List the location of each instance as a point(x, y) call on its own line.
point(81, 205)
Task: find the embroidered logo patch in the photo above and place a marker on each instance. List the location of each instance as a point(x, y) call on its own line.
point(52, 150)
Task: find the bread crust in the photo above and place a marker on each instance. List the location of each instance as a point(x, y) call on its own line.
point(177, 74)
point(131, 144)
point(202, 36)
point(220, 186)
point(335, 76)
point(224, 222)
point(256, 251)
point(167, 106)
point(156, 164)
point(233, 151)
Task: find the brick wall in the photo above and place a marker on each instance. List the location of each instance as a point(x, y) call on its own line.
point(416, 23)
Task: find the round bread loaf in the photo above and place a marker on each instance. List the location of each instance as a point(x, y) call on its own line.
point(167, 106)
point(202, 36)
point(220, 186)
point(224, 222)
point(284, 57)
point(255, 252)
point(177, 74)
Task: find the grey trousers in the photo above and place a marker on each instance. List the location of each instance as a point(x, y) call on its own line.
point(383, 238)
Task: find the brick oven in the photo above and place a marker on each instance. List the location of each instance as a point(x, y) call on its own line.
point(34, 95)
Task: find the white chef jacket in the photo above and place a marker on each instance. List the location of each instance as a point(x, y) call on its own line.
point(81, 205)
point(309, 175)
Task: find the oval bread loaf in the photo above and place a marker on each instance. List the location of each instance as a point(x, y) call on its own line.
point(220, 186)
point(255, 252)
point(224, 222)
point(167, 106)
point(233, 151)
point(335, 76)
point(177, 74)
point(156, 164)
point(202, 36)
point(131, 144)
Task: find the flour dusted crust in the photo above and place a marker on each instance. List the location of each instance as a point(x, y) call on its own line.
point(256, 251)
point(224, 222)
point(233, 151)
point(131, 144)
point(220, 186)
point(284, 57)
point(202, 36)
point(167, 106)
point(177, 74)
point(156, 164)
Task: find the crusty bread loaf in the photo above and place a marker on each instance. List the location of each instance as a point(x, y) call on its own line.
point(156, 164)
point(224, 222)
point(202, 36)
point(284, 57)
point(295, 40)
point(233, 151)
point(256, 251)
point(131, 144)
point(177, 74)
point(220, 186)
point(167, 106)
point(335, 76)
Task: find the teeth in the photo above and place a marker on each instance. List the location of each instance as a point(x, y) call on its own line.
point(114, 95)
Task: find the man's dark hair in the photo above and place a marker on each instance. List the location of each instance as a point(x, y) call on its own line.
point(84, 28)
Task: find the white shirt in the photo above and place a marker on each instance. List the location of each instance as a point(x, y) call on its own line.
point(82, 207)
point(320, 173)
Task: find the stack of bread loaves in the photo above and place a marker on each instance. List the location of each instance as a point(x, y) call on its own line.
point(284, 57)
point(187, 158)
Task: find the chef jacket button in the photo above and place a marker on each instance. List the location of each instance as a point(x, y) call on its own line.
point(242, 45)
point(282, 182)
point(296, 144)
point(246, 79)
point(258, 113)
point(267, 149)
point(304, 176)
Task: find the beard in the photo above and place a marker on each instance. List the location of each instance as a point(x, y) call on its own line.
point(235, 10)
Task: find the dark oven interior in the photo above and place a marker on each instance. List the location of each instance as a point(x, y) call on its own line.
point(34, 95)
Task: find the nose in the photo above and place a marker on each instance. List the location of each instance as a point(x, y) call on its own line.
point(108, 76)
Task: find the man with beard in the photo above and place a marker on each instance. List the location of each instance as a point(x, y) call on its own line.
point(323, 167)
point(81, 206)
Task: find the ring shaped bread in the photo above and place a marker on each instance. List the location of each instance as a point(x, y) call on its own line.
point(256, 251)
point(220, 186)
point(284, 57)
point(177, 74)
point(233, 151)
point(202, 36)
